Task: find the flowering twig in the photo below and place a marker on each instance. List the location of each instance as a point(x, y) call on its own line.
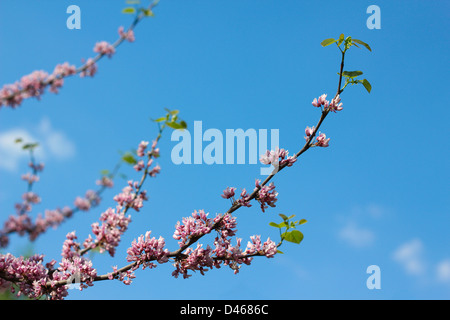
point(34, 84)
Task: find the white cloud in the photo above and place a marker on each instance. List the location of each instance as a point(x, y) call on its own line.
point(410, 256)
point(52, 143)
point(56, 141)
point(443, 271)
point(356, 236)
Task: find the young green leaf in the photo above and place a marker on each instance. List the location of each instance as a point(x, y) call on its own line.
point(294, 236)
point(30, 146)
point(284, 217)
point(129, 10)
point(363, 44)
point(129, 158)
point(341, 39)
point(352, 74)
point(367, 85)
point(273, 224)
point(160, 119)
point(18, 140)
point(175, 125)
point(327, 42)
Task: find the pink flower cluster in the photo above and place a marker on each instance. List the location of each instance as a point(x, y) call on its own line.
point(129, 35)
point(57, 78)
point(108, 234)
point(34, 84)
point(277, 157)
point(89, 69)
point(104, 48)
point(334, 105)
point(130, 197)
point(154, 152)
point(144, 250)
point(192, 227)
point(126, 277)
point(266, 195)
point(105, 182)
point(52, 218)
point(73, 268)
point(228, 193)
point(321, 139)
point(28, 274)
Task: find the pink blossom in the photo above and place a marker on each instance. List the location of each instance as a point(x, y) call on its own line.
point(82, 204)
point(144, 250)
point(309, 131)
point(10, 95)
point(198, 259)
point(335, 104)
point(129, 197)
point(266, 195)
point(155, 170)
point(20, 224)
point(141, 148)
point(105, 182)
point(104, 48)
point(30, 178)
point(89, 69)
point(277, 157)
point(190, 227)
point(31, 197)
point(139, 165)
point(321, 101)
point(33, 84)
point(269, 248)
point(32, 269)
point(108, 234)
point(36, 167)
point(244, 200)
point(129, 35)
point(322, 141)
point(228, 193)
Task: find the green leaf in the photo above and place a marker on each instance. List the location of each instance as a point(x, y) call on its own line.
point(341, 39)
point(129, 10)
point(18, 140)
point(30, 146)
point(172, 112)
point(129, 158)
point(104, 172)
point(273, 224)
point(294, 236)
point(327, 42)
point(132, 2)
point(302, 221)
point(148, 13)
point(352, 74)
point(183, 124)
point(363, 44)
point(175, 125)
point(367, 85)
point(160, 119)
point(278, 251)
point(284, 217)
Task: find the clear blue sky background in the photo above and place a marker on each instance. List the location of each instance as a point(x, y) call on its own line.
point(379, 195)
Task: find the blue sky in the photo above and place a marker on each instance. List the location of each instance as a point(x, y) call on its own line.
point(377, 196)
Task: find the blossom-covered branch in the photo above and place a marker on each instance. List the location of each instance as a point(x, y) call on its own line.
point(35, 84)
point(21, 223)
